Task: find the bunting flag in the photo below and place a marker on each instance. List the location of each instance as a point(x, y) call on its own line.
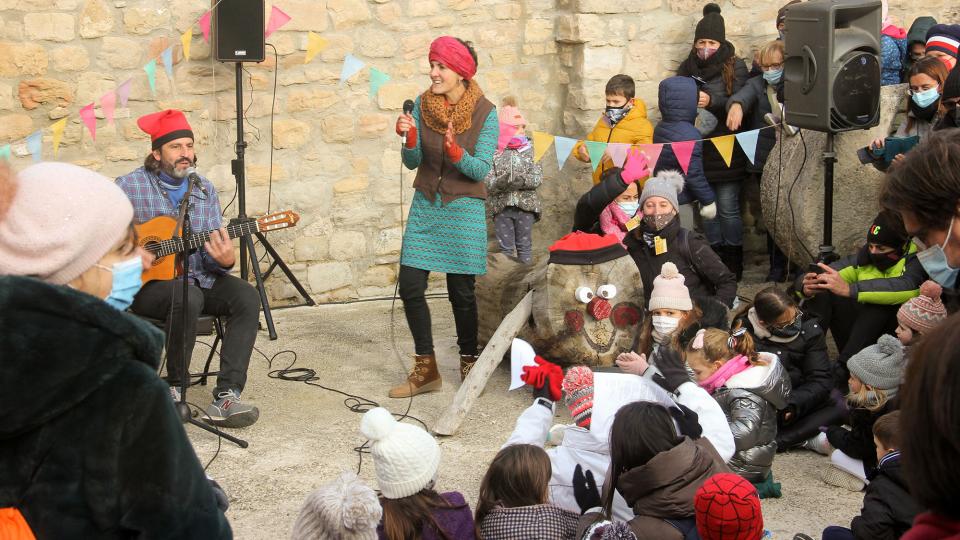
point(724, 145)
point(748, 143)
point(89, 120)
point(377, 79)
point(652, 152)
point(35, 145)
point(618, 153)
point(683, 151)
point(123, 92)
point(563, 146)
point(167, 57)
point(205, 26)
point(108, 102)
point(5, 152)
point(315, 44)
point(541, 143)
point(351, 65)
point(596, 149)
point(277, 19)
point(57, 129)
point(151, 69)
point(185, 40)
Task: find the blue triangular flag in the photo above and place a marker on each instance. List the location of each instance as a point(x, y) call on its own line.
point(563, 146)
point(35, 145)
point(748, 143)
point(377, 79)
point(151, 69)
point(167, 57)
point(5, 152)
point(351, 65)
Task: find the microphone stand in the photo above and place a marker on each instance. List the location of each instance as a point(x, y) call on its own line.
point(183, 225)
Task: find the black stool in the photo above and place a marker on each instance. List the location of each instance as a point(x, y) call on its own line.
point(207, 325)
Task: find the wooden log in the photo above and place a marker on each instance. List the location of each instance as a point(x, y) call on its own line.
point(490, 358)
point(498, 292)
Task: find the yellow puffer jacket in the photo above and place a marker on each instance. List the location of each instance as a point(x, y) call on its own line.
point(633, 129)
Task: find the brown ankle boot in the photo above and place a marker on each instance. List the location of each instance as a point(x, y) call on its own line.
point(466, 364)
point(423, 378)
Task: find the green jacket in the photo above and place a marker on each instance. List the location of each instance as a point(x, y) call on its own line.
point(870, 285)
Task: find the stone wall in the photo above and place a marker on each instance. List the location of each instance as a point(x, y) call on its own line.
point(335, 158)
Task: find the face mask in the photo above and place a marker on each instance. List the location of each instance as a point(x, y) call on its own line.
point(615, 114)
point(773, 76)
point(883, 262)
point(706, 52)
point(934, 261)
point(629, 208)
point(127, 280)
point(665, 325)
point(793, 329)
point(925, 98)
point(657, 222)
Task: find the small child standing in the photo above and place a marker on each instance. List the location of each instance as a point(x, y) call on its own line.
point(623, 121)
point(512, 187)
point(888, 508)
point(750, 388)
point(920, 314)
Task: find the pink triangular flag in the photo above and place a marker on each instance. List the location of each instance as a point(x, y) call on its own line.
point(653, 154)
point(205, 26)
point(618, 153)
point(123, 92)
point(89, 119)
point(277, 19)
point(683, 150)
point(108, 102)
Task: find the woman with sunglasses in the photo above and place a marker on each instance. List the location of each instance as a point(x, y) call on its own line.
point(778, 326)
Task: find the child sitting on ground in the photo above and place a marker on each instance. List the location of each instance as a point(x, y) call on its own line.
point(345, 508)
point(750, 388)
point(406, 459)
point(512, 186)
point(623, 121)
point(514, 498)
point(921, 314)
point(728, 508)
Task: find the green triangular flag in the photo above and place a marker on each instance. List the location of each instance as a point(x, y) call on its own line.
point(377, 79)
point(596, 150)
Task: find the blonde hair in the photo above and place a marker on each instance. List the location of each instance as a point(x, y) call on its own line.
point(863, 398)
point(720, 346)
point(775, 46)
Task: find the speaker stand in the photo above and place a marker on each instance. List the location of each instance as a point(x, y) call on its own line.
point(246, 243)
point(827, 252)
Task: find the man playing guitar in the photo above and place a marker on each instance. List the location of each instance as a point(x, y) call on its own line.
point(156, 189)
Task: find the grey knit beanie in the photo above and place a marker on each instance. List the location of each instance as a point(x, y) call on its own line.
point(879, 365)
point(666, 184)
point(345, 509)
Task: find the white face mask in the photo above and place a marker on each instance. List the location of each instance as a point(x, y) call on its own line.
point(665, 325)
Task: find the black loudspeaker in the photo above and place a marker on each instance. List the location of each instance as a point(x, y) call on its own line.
point(238, 31)
point(832, 66)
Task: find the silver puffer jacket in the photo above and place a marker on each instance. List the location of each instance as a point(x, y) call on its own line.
point(513, 181)
point(751, 400)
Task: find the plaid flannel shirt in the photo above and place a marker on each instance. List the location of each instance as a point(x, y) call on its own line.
point(150, 200)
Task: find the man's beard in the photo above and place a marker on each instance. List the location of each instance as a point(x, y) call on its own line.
point(172, 170)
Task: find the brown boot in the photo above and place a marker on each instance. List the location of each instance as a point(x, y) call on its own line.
point(466, 364)
point(423, 378)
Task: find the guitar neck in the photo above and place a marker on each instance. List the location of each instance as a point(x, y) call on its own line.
point(197, 240)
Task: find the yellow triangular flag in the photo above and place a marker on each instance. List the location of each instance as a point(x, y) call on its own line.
point(724, 145)
point(541, 143)
point(57, 129)
point(315, 44)
point(185, 40)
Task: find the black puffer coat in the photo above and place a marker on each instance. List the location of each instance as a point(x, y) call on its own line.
point(888, 508)
point(678, 109)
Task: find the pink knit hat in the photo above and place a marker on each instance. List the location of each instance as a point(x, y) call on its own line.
point(669, 292)
point(925, 312)
point(61, 220)
point(578, 389)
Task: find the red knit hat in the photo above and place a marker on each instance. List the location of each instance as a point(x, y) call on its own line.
point(165, 126)
point(585, 248)
point(578, 388)
point(728, 508)
point(925, 312)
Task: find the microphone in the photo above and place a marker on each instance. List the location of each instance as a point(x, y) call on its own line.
point(193, 177)
point(407, 109)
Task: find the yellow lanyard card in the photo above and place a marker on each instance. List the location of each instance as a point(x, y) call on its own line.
point(659, 245)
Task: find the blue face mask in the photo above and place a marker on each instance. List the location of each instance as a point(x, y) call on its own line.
point(926, 98)
point(773, 76)
point(629, 208)
point(127, 280)
point(934, 261)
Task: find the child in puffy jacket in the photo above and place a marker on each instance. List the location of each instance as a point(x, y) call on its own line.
point(750, 388)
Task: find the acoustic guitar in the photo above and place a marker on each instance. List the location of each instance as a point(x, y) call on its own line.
point(156, 236)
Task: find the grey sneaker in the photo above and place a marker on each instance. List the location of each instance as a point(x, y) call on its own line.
point(840, 478)
point(175, 394)
point(228, 411)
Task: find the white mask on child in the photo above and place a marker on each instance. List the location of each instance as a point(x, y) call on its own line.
point(665, 325)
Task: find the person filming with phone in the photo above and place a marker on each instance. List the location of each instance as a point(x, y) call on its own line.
point(857, 297)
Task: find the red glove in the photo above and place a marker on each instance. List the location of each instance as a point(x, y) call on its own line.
point(411, 134)
point(544, 373)
point(453, 150)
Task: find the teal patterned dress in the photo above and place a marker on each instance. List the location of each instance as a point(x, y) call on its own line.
point(450, 238)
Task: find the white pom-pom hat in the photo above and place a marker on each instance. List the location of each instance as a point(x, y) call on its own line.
point(666, 184)
point(405, 456)
point(669, 292)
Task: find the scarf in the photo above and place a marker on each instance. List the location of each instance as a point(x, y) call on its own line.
point(613, 221)
point(761, 331)
point(729, 369)
point(710, 68)
point(437, 112)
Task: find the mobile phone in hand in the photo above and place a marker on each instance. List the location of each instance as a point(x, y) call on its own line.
point(815, 268)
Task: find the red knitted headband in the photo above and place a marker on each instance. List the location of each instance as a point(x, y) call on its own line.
point(450, 52)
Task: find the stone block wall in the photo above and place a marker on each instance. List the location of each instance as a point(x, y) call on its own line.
point(333, 156)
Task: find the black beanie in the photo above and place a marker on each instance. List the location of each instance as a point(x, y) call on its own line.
point(711, 25)
point(951, 86)
point(887, 230)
